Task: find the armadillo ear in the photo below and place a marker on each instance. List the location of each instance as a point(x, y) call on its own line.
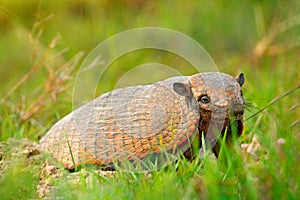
point(240, 79)
point(183, 89)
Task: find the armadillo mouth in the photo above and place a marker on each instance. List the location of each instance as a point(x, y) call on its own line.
point(233, 128)
point(216, 128)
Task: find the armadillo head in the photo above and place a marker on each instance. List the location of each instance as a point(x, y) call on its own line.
point(221, 104)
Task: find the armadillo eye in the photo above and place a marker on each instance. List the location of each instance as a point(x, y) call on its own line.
point(204, 99)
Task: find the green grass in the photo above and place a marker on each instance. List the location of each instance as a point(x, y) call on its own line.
point(230, 31)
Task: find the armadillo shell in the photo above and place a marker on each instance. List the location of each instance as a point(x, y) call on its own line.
point(133, 124)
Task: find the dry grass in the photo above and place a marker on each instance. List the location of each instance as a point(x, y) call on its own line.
point(59, 73)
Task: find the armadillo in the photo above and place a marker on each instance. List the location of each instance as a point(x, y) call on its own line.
point(141, 122)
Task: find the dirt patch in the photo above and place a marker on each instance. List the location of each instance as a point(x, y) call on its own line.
point(28, 157)
point(13, 150)
point(50, 174)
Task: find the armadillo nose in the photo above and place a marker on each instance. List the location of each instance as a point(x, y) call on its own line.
point(237, 110)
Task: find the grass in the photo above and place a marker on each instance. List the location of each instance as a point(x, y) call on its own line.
point(41, 51)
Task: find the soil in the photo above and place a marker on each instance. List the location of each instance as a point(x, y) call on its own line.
point(15, 151)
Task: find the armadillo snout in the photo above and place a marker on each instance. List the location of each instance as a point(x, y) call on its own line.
point(237, 111)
